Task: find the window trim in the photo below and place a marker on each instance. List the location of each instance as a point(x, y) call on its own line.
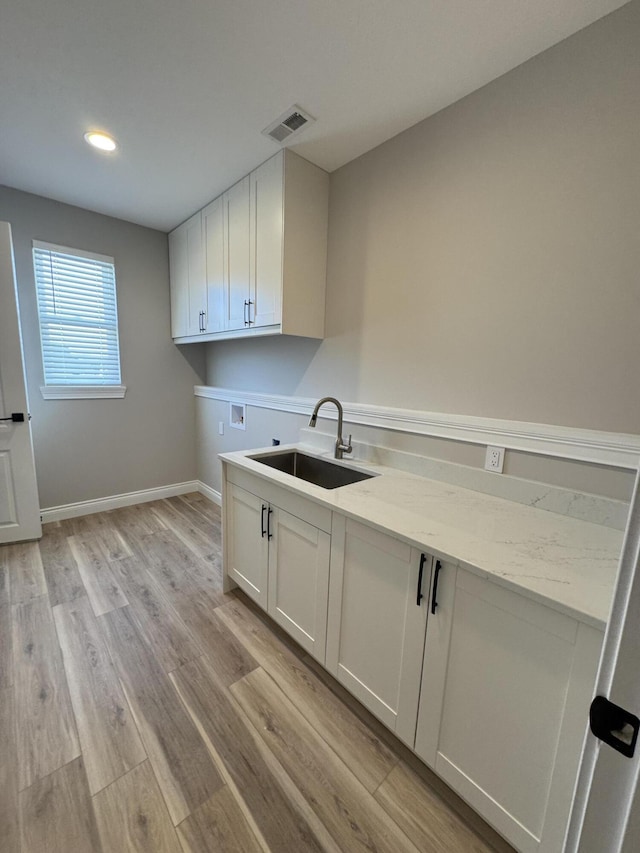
point(77, 392)
point(82, 392)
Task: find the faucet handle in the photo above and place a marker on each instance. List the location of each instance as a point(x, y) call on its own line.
point(348, 448)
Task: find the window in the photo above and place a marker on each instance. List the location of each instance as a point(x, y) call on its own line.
point(78, 322)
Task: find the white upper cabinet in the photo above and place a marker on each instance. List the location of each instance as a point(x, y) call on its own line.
point(213, 234)
point(263, 267)
point(188, 286)
point(237, 256)
point(267, 187)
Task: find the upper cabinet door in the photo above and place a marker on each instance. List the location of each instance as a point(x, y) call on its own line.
point(179, 272)
point(196, 275)
point(237, 255)
point(213, 231)
point(267, 217)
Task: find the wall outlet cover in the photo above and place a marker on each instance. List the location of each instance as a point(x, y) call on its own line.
point(494, 460)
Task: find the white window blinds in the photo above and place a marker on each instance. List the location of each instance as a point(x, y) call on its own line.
point(78, 316)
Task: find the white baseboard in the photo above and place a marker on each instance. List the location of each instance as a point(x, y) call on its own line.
point(59, 513)
point(210, 493)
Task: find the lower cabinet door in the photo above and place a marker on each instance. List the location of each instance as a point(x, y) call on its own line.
point(299, 580)
point(376, 625)
point(248, 547)
point(514, 710)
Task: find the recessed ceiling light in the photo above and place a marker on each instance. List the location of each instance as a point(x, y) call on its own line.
point(100, 140)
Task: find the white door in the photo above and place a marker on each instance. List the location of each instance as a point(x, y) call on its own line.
point(213, 231)
point(377, 621)
point(236, 262)
point(19, 504)
point(299, 580)
point(267, 210)
point(179, 279)
point(606, 813)
point(196, 276)
point(249, 527)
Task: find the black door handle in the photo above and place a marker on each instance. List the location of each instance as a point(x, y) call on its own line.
point(614, 725)
point(434, 595)
point(269, 533)
point(420, 596)
point(16, 417)
point(263, 531)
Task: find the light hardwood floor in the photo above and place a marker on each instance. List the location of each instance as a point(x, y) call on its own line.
point(141, 709)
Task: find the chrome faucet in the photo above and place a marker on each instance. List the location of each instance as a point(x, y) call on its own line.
point(341, 447)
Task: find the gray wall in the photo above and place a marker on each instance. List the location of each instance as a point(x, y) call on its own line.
point(88, 449)
point(486, 261)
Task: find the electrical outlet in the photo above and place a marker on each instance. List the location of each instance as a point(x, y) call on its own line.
point(220, 427)
point(494, 460)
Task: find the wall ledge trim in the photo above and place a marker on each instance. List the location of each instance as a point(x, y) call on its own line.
point(620, 450)
point(73, 510)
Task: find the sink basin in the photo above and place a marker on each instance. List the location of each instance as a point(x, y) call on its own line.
point(320, 472)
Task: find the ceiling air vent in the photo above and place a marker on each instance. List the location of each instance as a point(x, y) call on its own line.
point(289, 124)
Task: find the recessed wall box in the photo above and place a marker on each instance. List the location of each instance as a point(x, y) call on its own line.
point(238, 415)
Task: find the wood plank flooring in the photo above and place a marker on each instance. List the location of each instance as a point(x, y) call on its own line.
point(141, 709)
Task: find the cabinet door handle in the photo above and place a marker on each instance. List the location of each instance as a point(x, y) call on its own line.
point(434, 594)
point(263, 531)
point(269, 533)
point(246, 305)
point(204, 321)
point(249, 304)
point(420, 596)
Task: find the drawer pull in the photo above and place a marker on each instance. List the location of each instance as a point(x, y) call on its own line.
point(420, 596)
point(434, 596)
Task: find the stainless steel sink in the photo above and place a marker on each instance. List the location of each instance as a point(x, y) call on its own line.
point(320, 472)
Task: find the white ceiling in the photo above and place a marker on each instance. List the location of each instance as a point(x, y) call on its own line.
point(186, 87)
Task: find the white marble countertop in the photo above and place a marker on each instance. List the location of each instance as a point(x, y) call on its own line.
point(563, 562)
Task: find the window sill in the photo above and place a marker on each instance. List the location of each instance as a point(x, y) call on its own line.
point(82, 392)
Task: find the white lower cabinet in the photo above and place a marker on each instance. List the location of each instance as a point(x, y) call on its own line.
point(490, 688)
point(281, 560)
point(377, 621)
point(503, 708)
point(247, 545)
point(299, 580)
